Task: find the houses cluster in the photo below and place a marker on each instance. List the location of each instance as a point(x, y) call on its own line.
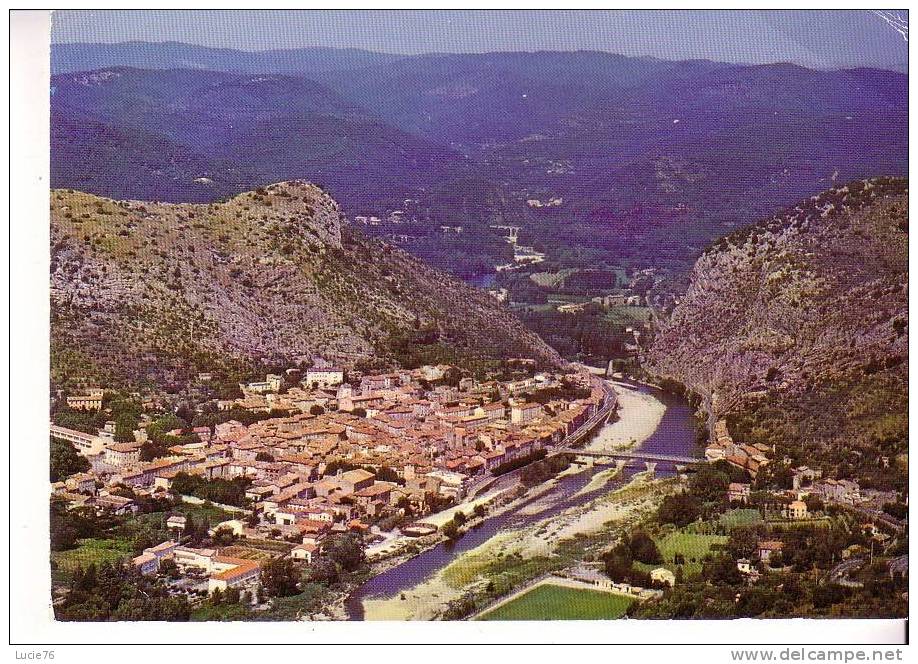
point(221, 572)
point(90, 399)
point(620, 298)
point(750, 458)
point(295, 391)
point(837, 491)
point(381, 446)
point(591, 576)
point(556, 201)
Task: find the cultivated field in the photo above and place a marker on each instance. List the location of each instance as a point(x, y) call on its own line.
point(246, 553)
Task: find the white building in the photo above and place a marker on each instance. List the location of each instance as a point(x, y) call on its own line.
point(85, 443)
point(232, 573)
point(324, 377)
point(663, 575)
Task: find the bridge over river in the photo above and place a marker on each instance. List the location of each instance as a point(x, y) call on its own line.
point(632, 455)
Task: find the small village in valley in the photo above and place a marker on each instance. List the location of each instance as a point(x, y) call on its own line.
point(321, 455)
point(320, 478)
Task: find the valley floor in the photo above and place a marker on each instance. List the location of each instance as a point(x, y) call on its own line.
point(535, 546)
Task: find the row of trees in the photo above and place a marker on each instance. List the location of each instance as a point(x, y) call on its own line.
point(452, 528)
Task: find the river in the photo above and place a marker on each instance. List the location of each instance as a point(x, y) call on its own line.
point(675, 434)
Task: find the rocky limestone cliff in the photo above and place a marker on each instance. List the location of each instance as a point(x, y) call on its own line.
point(796, 328)
point(152, 293)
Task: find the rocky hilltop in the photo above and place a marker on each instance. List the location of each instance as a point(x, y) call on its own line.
point(153, 293)
point(796, 330)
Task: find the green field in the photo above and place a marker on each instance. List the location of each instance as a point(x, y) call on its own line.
point(739, 517)
point(89, 551)
point(692, 546)
point(551, 602)
point(726, 522)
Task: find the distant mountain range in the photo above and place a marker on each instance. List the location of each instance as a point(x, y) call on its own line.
point(653, 158)
point(191, 135)
point(176, 55)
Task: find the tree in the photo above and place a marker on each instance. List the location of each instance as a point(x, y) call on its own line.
point(643, 548)
point(451, 530)
point(721, 569)
point(64, 534)
point(710, 483)
point(161, 426)
point(680, 509)
point(217, 490)
point(115, 592)
point(828, 594)
point(64, 416)
point(345, 550)
point(323, 571)
point(617, 566)
point(168, 568)
point(125, 424)
point(279, 578)
point(814, 503)
point(194, 533)
point(65, 460)
point(224, 536)
point(404, 504)
point(742, 542)
point(316, 410)
point(150, 450)
point(68, 526)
